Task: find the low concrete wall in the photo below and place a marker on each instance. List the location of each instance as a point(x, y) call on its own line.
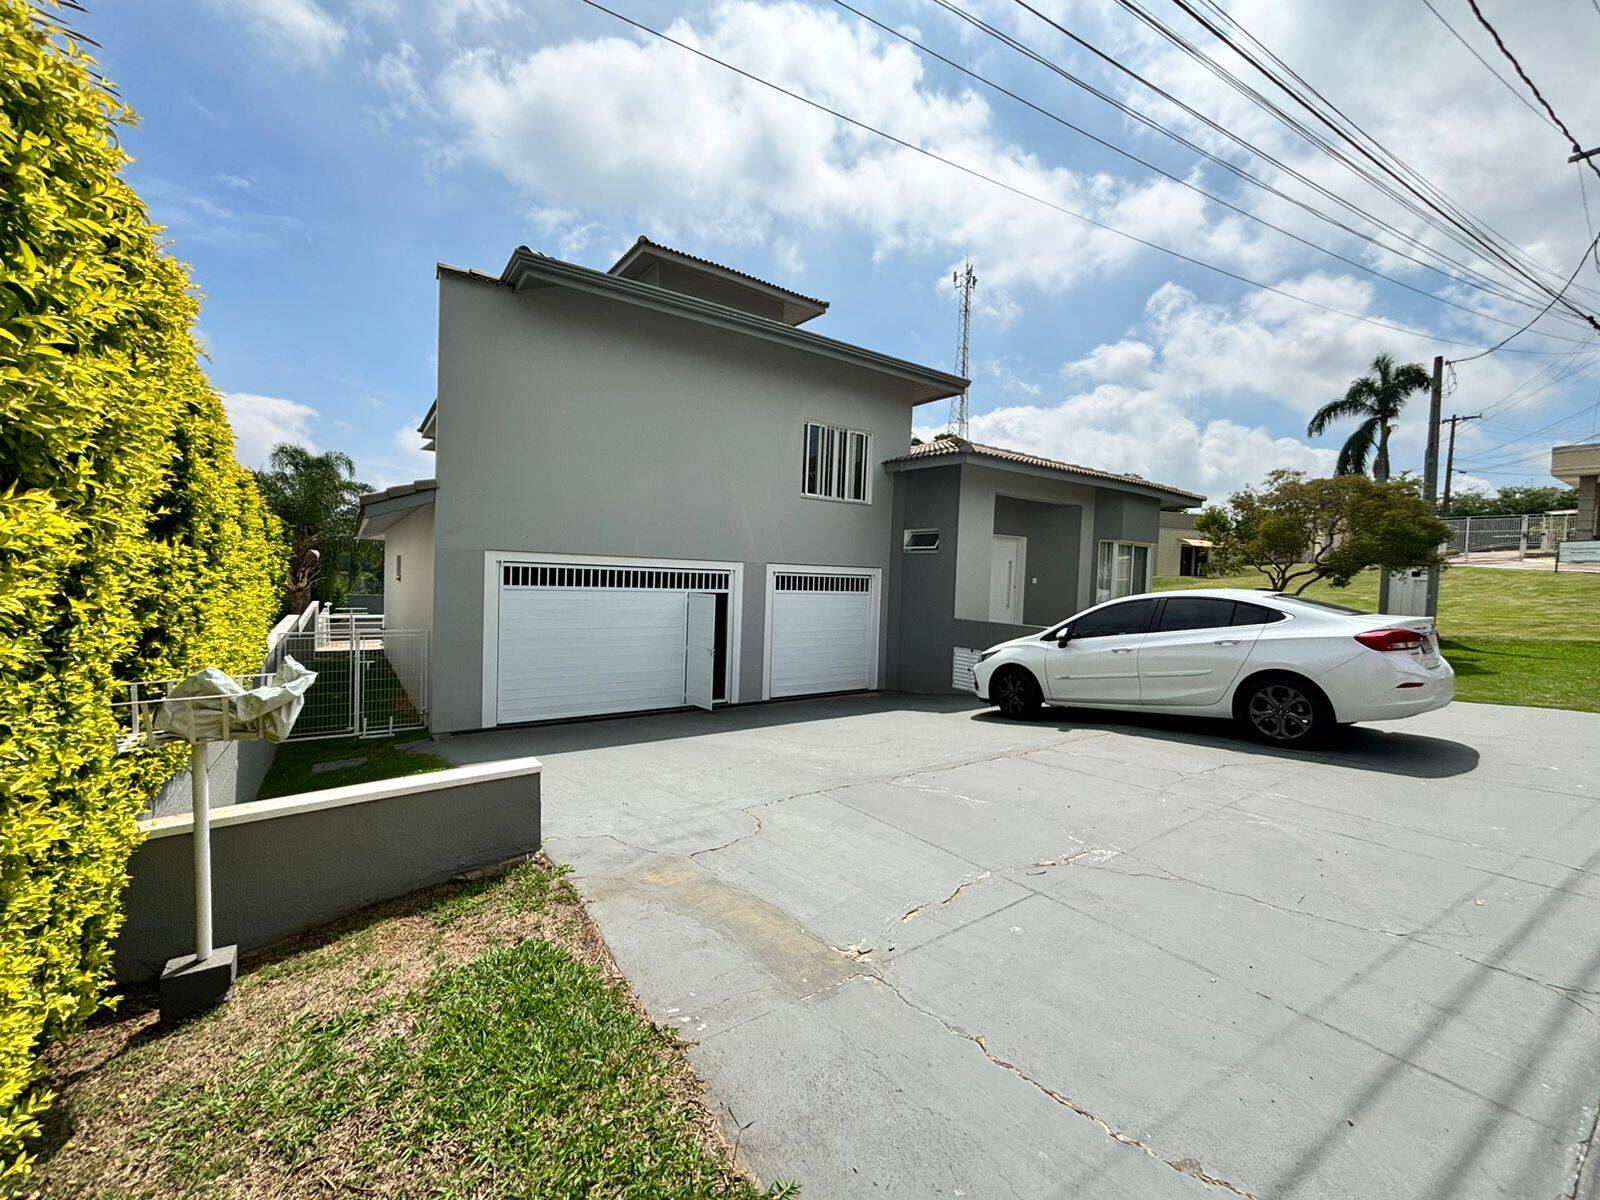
point(282, 866)
point(234, 771)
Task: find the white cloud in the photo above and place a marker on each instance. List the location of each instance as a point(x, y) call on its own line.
point(627, 131)
point(299, 31)
point(261, 422)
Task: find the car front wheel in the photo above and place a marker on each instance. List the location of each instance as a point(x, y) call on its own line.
point(1014, 693)
point(1284, 711)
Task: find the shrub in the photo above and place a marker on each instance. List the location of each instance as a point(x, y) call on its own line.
point(132, 545)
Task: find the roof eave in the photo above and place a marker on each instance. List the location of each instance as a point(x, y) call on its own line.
point(529, 270)
point(1172, 499)
point(798, 308)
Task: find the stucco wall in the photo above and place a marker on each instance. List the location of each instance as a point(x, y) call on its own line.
point(286, 865)
point(571, 423)
point(1174, 528)
point(408, 571)
point(979, 488)
point(1054, 535)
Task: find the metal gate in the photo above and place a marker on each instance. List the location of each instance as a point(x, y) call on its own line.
point(1533, 534)
point(371, 681)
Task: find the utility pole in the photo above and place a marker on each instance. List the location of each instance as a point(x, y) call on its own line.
point(1430, 477)
point(1453, 420)
point(966, 282)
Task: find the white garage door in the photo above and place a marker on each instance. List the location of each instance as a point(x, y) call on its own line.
point(823, 632)
point(579, 641)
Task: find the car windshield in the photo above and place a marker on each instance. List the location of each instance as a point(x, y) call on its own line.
point(1321, 604)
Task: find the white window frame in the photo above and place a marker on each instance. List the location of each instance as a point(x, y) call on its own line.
point(1108, 548)
point(841, 451)
point(905, 541)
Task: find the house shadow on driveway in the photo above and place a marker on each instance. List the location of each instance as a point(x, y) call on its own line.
point(1358, 747)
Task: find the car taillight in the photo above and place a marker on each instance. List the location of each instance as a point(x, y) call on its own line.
point(1391, 639)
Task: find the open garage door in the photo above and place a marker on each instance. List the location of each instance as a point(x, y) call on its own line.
point(822, 630)
point(585, 640)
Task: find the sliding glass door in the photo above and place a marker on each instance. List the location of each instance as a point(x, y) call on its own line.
point(1122, 569)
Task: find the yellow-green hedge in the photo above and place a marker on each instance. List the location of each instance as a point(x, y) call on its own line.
point(132, 545)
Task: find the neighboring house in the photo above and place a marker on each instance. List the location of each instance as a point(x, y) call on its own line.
point(1578, 466)
point(653, 489)
point(1181, 550)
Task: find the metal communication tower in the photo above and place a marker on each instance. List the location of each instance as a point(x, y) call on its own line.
point(966, 281)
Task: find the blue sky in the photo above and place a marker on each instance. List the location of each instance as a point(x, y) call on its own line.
point(313, 159)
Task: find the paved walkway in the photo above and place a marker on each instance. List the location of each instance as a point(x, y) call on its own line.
point(922, 952)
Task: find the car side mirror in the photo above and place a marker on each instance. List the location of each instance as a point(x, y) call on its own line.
point(1062, 638)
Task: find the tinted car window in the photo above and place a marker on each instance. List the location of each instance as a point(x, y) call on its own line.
point(1195, 612)
point(1132, 617)
point(1254, 614)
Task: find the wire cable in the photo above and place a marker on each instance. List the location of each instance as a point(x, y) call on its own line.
point(1584, 258)
point(1577, 148)
point(1541, 290)
point(1473, 50)
point(1022, 193)
point(1179, 180)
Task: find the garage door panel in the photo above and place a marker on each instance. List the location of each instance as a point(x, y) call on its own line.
point(822, 638)
point(581, 652)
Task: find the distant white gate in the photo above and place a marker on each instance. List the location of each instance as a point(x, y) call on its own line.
point(371, 681)
point(1535, 534)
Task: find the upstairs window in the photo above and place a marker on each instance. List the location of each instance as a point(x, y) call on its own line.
point(921, 541)
point(835, 464)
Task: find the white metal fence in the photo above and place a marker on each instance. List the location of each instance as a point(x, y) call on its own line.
point(1528, 535)
point(371, 681)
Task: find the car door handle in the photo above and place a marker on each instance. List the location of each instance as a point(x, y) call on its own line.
point(1226, 642)
point(1122, 650)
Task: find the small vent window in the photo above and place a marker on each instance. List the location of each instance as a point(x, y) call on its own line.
point(835, 464)
point(558, 575)
point(921, 541)
point(786, 582)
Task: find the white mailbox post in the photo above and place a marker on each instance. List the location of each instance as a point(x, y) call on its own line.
point(212, 706)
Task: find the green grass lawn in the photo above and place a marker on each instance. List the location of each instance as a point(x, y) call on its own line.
point(1513, 637)
point(292, 763)
point(473, 1041)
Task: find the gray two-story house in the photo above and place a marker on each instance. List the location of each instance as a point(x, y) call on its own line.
point(655, 489)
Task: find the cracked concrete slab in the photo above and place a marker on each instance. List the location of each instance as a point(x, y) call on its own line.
point(922, 952)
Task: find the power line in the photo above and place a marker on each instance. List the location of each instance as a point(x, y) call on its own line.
point(1430, 209)
point(1244, 144)
point(1472, 278)
point(1581, 260)
point(1474, 224)
point(1532, 87)
point(1165, 174)
point(1473, 50)
point(1021, 192)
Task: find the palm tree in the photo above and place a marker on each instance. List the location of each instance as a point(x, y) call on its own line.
point(315, 497)
point(1377, 400)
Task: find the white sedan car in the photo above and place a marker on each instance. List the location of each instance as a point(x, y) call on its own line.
point(1286, 668)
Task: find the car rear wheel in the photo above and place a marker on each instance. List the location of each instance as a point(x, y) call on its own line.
point(1014, 692)
point(1285, 711)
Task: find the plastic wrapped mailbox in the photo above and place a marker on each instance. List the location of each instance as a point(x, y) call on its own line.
point(211, 706)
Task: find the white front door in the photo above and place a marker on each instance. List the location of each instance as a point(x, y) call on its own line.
point(1005, 579)
point(700, 661)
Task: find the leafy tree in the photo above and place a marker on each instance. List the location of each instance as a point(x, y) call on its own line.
point(1296, 530)
point(315, 496)
point(1514, 500)
point(1376, 400)
point(133, 545)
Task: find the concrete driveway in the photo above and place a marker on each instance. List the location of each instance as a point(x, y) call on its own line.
point(923, 952)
